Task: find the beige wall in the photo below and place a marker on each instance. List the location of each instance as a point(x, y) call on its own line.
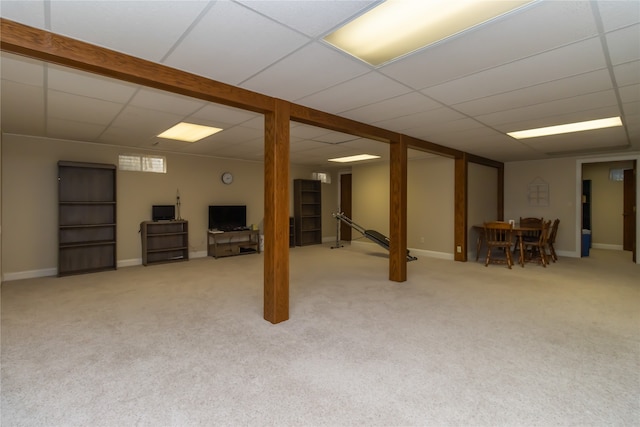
point(482, 201)
point(29, 197)
point(606, 203)
point(430, 216)
point(560, 175)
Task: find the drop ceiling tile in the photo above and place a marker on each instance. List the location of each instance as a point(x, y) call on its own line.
point(310, 17)
point(66, 79)
point(624, 45)
point(558, 119)
point(305, 145)
point(146, 29)
point(173, 146)
point(392, 108)
point(150, 122)
point(627, 74)
point(304, 131)
point(429, 119)
point(229, 52)
point(129, 136)
point(335, 138)
point(256, 123)
point(153, 99)
point(499, 42)
point(630, 93)
point(74, 108)
point(225, 116)
point(75, 131)
point(23, 109)
point(545, 92)
point(313, 68)
point(560, 63)
point(361, 91)
point(617, 14)
point(235, 135)
point(452, 127)
point(31, 13)
point(551, 110)
point(580, 141)
point(22, 70)
point(631, 112)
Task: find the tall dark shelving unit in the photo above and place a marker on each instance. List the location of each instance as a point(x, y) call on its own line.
point(86, 217)
point(292, 232)
point(307, 210)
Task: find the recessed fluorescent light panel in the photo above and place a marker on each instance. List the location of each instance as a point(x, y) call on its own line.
point(356, 158)
point(567, 128)
point(398, 27)
point(188, 132)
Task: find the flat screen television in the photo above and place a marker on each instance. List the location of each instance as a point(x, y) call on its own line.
point(227, 217)
point(163, 212)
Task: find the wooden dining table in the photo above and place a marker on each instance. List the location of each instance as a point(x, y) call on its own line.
point(518, 230)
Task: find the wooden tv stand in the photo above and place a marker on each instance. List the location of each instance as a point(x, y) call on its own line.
point(230, 243)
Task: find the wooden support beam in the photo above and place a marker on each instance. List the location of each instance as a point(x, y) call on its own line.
point(430, 147)
point(276, 214)
point(321, 119)
point(461, 172)
point(39, 44)
point(398, 212)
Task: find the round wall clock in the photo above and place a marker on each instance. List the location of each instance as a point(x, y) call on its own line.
point(227, 178)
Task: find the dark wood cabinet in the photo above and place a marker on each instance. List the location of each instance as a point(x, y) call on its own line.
point(164, 241)
point(307, 210)
point(86, 217)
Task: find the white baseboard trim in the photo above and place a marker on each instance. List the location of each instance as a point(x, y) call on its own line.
point(129, 262)
point(606, 246)
point(31, 274)
point(199, 254)
point(414, 252)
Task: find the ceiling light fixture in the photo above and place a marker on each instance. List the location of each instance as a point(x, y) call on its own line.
point(188, 132)
point(356, 158)
point(398, 27)
point(567, 128)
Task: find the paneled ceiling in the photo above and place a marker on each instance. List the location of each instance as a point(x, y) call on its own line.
point(549, 63)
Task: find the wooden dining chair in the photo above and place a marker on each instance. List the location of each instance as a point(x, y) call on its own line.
point(498, 238)
point(531, 222)
point(537, 250)
point(552, 239)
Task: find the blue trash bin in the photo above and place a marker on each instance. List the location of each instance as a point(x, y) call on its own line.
point(586, 242)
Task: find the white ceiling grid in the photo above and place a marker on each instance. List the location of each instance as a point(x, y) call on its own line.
point(546, 63)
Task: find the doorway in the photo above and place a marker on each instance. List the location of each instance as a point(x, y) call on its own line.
point(614, 216)
point(345, 205)
point(628, 211)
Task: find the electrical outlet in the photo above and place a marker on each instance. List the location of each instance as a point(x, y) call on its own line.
point(459, 249)
point(422, 240)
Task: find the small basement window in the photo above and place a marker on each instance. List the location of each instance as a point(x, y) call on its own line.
point(142, 163)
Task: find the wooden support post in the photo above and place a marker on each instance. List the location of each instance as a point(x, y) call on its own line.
point(398, 213)
point(460, 208)
point(276, 213)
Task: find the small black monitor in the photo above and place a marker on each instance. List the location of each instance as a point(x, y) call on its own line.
point(163, 212)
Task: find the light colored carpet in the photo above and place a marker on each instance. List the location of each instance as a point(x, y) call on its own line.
point(458, 344)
